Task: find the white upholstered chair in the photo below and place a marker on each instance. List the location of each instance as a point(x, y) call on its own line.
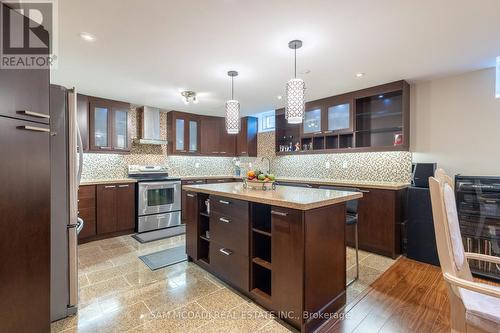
point(475, 307)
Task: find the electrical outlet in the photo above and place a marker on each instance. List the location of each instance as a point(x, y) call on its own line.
point(344, 165)
point(327, 164)
point(197, 165)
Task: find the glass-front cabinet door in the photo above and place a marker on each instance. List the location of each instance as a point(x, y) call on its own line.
point(101, 128)
point(120, 134)
point(312, 121)
point(340, 118)
point(179, 135)
point(193, 136)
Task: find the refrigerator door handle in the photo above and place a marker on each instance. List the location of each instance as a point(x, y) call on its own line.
point(80, 155)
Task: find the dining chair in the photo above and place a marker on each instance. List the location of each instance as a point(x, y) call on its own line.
point(475, 306)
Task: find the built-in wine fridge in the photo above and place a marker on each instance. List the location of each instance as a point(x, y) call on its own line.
point(478, 203)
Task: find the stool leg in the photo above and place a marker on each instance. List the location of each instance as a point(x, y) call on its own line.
point(357, 255)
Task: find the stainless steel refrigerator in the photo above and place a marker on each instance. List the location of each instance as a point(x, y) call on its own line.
point(65, 166)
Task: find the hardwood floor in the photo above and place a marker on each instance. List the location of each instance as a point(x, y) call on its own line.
point(409, 297)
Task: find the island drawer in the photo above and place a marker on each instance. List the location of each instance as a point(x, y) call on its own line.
point(230, 265)
point(235, 209)
point(232, 232)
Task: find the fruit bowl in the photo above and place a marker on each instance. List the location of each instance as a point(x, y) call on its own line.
point(256, 184)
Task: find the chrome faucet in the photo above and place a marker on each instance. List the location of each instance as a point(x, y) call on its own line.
point(268, 163)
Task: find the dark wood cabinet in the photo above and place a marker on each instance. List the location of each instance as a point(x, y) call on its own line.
point(372, 119)
point(107, 210)
point(183, 133)
point(210, 136)
point(246, 140)
point(190, 216)
point(227, 142)
point(87, 211)
point(108, 130)
point(379, 222)
point(125, 207)
point(82, 115)
point(25, 225)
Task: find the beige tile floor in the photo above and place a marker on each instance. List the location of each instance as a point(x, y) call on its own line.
point(119, 293)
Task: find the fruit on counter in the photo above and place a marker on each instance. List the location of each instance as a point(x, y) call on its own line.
point(271, 177)
point(251, 174)
point(262, 176)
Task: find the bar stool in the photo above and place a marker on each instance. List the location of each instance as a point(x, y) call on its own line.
point(351, 219)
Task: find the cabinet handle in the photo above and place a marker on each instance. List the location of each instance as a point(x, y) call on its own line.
point(34, 114)
point(243, 152)
point(274, 212)
point(364, 191)
point(223, 152)
point(224, 220)
point(215, 152)
point(105, 148)
point(224, 202)
point(220, 180)
point(123, 185)
point(226, 251)
point(199, 181)
point(190, 195)
point(328, 132)
point(182, 151)
point(33, 128)
point(110, 186)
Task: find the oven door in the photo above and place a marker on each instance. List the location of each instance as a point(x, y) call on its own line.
point(159, 197)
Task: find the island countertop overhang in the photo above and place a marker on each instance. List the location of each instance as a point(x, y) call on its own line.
point(283, 196)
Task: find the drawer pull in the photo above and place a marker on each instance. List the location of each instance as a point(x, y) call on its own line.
point(275, 212)
point(110, 186)
point(34, 114)
point(199, 181)
point(223, 152)
point(123, 185)
point(224, 202)
point(221, 180)
point(224, 220)
point(243, 152)
point(34, 129)
point(364, 191)
point(190, 195)
point(226, 252)
point(215, 152)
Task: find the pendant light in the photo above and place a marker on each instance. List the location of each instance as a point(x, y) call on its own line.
point(295, 89)
point(232, 109)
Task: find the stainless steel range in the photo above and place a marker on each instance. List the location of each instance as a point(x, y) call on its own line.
point(158, 197)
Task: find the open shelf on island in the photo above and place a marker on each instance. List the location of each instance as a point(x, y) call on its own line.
point(263, 263)
point(261, 280)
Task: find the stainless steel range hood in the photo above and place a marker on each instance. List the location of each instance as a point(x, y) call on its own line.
point(149, 126)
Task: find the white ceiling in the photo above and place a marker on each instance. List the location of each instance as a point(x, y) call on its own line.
point(147, 51)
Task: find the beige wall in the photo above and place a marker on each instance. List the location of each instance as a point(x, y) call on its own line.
point(455, 122)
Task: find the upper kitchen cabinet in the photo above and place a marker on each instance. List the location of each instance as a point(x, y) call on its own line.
point(246, 141)
point(108, 130)
point(183, 133)
point(214, 137)
point(372, 119)
point(82, 116)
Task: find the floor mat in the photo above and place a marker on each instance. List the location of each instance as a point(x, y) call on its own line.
point(165, 258)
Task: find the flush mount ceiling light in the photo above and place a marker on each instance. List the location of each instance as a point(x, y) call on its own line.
point(189, 97)
point(497, 94)
point(87, 37)
point(232, 109)
point(295, 91)
point(360, 75)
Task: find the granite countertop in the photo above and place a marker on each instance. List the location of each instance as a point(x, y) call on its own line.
point(289, 197)
point(107, 181)
point(206, 177)
point(353, 183)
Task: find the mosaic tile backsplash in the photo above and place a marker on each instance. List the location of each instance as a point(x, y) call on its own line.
point(383, 166)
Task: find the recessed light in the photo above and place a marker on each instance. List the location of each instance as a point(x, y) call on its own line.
point(280, 97)
point(380, 96)
point(87, 37)
point(360, 74)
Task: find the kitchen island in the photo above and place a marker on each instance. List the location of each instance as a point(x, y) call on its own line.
point(283, 248)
